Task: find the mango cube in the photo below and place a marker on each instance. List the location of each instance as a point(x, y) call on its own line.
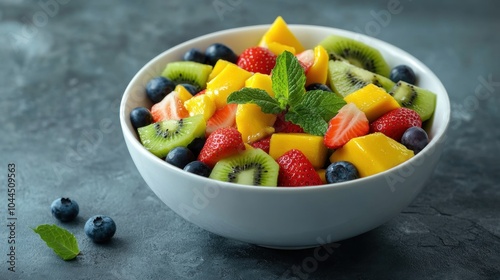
point(373, 101)
point(229, 80)
point(184, 94)
point(218, 67)
point(372, 153)
point(200, 105)
point(251, 122)
point(278, 48)
point(311, 145)
point(281, 34)
point(318, 71)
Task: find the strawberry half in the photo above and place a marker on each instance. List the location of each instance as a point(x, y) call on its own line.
point(306, 59)
point(394, 123)
point(257, 60)
point(171, 107)
point(350, 122)
point(284, 126)
point(223, 117)
point(296, 170)
point(221, 143)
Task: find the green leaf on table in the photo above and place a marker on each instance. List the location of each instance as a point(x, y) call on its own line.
point(257, 96)
point(60, 240)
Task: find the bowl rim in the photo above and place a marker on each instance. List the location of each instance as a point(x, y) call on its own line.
point(437, 138)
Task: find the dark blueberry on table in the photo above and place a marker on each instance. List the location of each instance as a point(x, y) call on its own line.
point(195, 55)
point(140, 117)
point(219, 51)
point(196, 145)
point(100, 228)
point(341, 171)
point(191, 88)
point(415, 139)
point(198, 168)
point(157, 88)
point(403, 73)
point(180, 157)
point(318, 86)
point(64, 209)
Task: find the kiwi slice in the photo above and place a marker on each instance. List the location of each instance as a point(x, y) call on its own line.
point(161, 137)
point(345, 78)
point(188, 72)
point(251, 167)
point(357, 53)
point(415, 98)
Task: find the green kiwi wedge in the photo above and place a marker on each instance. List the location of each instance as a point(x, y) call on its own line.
point(415, 98)
point(188, 72)
point(251, 167)
point(161, 137)
point(357, 53)
point(345, 78)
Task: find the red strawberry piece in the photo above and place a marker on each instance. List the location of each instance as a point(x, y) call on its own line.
point(350, 122)
point(257, 59)
point(306, 59)
point(223, 117)
point(221, 143)
point(263, 144)
point(284, 126)
point(200, 92)
point(170, 108)
point(394, 123)
point(296, 170)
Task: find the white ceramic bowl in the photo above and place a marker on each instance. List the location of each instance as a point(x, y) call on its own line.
point(286, 217)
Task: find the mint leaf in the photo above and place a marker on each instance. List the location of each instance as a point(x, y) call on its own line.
point(257, 96)
point(60, 240)
point(324, 103)
point(312, 122)
point(288, 80)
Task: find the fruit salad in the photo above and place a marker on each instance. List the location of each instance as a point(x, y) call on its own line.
point(278, 114)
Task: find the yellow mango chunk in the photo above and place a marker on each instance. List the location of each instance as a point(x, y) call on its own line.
point(218, 67)
point(310, 145)
point(278, 48)
point(372, 153)
point(318, 71)
point(184, 94)
point(373, 101)
point(200, 105)
point(251, 122)
point(229, 80)
point(321, 173)
point(280, 33)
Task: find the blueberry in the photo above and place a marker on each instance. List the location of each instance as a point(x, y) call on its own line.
point(318, 86)
point(415, 139)
point(100, 228)
point(196, 145)
point(140, 117)
point(195, 55)
point(64, 209)
point(191, 88)
point(403, 73)
point(341, 171)
point(198, 168)
point(157, 88)
point(180, 156)
point(220, 51)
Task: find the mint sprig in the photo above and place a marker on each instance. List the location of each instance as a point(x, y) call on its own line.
point(310, 110)
point(60, 240)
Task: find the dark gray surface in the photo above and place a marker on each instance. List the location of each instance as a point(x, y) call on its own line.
point(62, 76)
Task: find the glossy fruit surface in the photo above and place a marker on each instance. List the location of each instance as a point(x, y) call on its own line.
point(64, 209)
point(100, 228)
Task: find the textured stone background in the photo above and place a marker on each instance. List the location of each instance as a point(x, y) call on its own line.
point(62, 73)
